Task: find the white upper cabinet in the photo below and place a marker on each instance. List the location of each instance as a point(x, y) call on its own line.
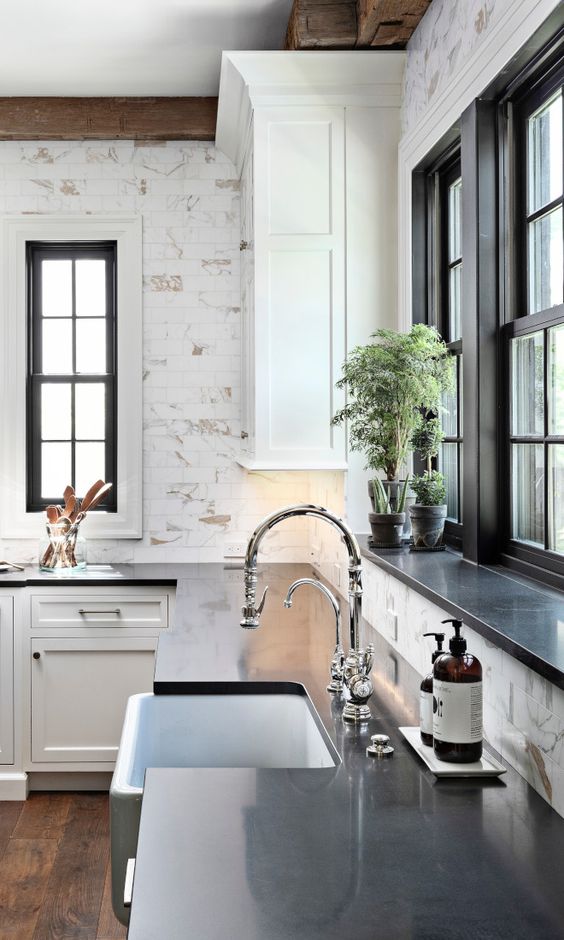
point(283, 121)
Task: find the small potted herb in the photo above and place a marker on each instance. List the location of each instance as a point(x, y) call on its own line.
point(428, 514)
point(386, 524)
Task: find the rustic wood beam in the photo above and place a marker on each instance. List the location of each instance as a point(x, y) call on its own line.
point(322, 24)
point(107, 118)
point(384, 23)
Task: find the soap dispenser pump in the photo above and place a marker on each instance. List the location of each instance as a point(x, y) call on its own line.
point(457, 702)
point(426, 695)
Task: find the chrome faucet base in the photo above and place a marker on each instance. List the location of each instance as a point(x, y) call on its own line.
point(354, 713)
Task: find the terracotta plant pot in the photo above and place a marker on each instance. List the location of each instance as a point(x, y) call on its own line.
point(387, 529)
point(428, 525)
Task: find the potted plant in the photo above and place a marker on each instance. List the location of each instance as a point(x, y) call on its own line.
point(387, 524)
point(428, 514)
point(390, 382)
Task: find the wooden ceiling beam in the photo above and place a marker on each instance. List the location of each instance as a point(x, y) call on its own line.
point(107, 118)
point(322, 24)
point(384, 23)
point(350, 24)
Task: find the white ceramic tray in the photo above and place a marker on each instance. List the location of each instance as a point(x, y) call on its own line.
point(488, 766)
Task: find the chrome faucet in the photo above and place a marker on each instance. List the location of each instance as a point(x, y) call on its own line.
point(358, 663)
point(337, 662)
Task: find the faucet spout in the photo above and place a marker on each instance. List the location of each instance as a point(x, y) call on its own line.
point(251, 613)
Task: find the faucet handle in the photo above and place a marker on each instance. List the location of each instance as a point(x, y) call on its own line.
point(251, 614)
point(380, 746)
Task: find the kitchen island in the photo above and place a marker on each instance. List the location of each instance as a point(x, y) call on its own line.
point(368, 849)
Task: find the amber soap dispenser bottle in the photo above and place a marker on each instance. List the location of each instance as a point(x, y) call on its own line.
point(426, 695)
point(457, 702)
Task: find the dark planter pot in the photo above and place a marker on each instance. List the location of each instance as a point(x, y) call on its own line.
point(393, 491)
point(428, 524)
point(387, 529)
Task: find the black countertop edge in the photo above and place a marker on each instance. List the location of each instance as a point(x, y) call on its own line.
point(124, 575)
point(519, 616)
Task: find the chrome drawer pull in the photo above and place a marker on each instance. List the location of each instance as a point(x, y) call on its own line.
point(116, 610)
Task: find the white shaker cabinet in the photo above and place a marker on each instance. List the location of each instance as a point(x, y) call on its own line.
point(314, 136)
point(79, 690)
point(293, 297)
point(6, 679)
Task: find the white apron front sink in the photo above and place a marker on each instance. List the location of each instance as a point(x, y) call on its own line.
point(275, 729)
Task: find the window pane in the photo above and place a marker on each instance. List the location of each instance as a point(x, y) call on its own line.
point(90, 419)
point(545, 154)
point(56, 284)
point(455, 220)
point(527, 493)
point(460, 392)
point(455, 299)
point(90, 287)
point(556, 380)
point(555, 501)
point(449, 416)
point(55, 470)
point(449, 467)
point(527, 385)
point(545, 261)
point(57, 346)
point(89, 466)
point(56, 412)
point(90, 345)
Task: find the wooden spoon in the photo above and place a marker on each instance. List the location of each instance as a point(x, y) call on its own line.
point(70, 505)
point(69, 491)
point(52, 514)
point(91, 493)
point(97, 499)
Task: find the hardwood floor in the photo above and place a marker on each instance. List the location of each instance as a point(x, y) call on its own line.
point(55, 869)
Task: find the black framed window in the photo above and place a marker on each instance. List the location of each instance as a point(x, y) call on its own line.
point(437, 249)
point(534, 338)
point(72, 381)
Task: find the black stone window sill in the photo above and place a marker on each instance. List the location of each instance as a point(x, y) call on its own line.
point(521, 616)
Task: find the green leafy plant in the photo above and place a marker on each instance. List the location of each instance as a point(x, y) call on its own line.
point(430, 488)
point(391, 383)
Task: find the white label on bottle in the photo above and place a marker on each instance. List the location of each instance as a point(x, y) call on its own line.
point(426, 712)
point(457, 712)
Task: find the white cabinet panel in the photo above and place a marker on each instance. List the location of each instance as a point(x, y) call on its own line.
point(6, 680)
point(79, 691)
point(301, 324)
point(293, 305)
point(299, 177)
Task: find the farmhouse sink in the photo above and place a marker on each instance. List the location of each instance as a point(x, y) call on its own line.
point(276, 727)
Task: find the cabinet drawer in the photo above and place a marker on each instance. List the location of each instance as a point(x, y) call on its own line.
point(148, 612)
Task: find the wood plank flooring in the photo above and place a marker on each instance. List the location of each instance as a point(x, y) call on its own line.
point(55, 881)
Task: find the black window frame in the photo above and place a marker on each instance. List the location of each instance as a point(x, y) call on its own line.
point(492, 285)
point(431, 266)
point(36, 251)
point(527, 92)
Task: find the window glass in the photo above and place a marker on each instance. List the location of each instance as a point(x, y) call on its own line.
point(527, 466)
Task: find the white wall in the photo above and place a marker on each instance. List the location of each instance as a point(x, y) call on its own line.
point(195, 494)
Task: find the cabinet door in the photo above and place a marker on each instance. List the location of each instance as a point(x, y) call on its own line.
point(79, 692)
point(6, 680)
point(299, 251)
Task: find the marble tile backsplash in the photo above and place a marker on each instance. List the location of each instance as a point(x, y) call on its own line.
point(195, 494)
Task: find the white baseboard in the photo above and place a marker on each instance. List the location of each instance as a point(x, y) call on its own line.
point(13, 786)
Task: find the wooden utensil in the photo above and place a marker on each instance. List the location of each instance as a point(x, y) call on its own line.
point(97, 499)
point(52, 514)
point(91, 493)
point(69, 491)
point(70, 505)
point(11, 564)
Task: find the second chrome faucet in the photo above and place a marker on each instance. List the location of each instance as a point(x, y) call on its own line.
point(356, 667)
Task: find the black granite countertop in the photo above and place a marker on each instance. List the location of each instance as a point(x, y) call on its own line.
point(519, 615)
point(127, 575)
point(368, 849)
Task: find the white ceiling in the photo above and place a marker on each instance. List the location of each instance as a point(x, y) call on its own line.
point(129, 47)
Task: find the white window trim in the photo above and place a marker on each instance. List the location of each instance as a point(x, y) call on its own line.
point(15, 232)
